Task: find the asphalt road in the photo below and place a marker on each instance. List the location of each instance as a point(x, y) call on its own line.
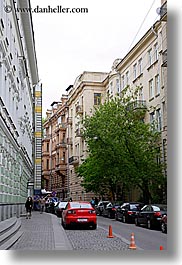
point(144, 238)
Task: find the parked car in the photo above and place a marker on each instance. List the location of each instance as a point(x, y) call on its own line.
point(60, 207)
point(50, 207)
point(164, 223)
point(150, 215)
point(79, 213)
point(127, 211)
point(100, 207)
point(110, 210)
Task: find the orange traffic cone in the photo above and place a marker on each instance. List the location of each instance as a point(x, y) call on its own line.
point(161, 248)
point(132, 242)
point(110, 232)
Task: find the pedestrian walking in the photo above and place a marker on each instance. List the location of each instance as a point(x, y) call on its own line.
point(28, 206)
point(42, 204)
point(92, 202)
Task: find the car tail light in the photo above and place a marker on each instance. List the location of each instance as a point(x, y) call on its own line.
point(157, 214)
point(71, 211)
point(91, 211)
point(113, 209)
point(130, 212)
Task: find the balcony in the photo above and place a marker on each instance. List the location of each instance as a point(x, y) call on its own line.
point(62, 144)
point(79, 109)
point(60, 165)
point(137, 104)
point(163, 12)
point(73, 160)
point(60, 127)
point(164, 59)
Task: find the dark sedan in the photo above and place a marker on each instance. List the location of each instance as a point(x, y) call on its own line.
point(150, 215)
point(110, 210)
point(60, 207)
point(100, 207)
point(127, 211)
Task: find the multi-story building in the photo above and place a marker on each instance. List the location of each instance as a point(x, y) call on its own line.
point(145, 67)
point(54, 150)
point(88, 91)
point(18, 78)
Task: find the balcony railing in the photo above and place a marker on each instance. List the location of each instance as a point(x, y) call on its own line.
point(62, 144)
point(137, 104)
point(73, 160)
point(79, 109)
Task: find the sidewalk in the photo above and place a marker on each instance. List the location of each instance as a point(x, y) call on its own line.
point(42, 232)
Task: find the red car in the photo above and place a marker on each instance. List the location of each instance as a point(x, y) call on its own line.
point(79, 213)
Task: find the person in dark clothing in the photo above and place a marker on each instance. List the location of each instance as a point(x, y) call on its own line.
point(28, 206)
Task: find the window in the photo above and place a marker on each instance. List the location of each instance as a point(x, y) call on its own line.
point(127, 78)
point(134, 71)
point(156, 53)
point(157, 84)
point(117, 86)
point(97, 98)
point(151, 89)
point(140, 66)
point(59, 120)
point(150, 57)
point(140, 94)
point(111, 87)
point(123, 84)
point(47, 147)
point(152, 117)
point(158, 119)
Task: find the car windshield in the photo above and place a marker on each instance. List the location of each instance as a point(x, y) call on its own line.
point(80, 205)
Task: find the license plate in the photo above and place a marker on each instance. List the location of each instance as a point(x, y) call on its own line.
point(82, 220)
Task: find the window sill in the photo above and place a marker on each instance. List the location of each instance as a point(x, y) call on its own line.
point(151, 99)
point(140, 75)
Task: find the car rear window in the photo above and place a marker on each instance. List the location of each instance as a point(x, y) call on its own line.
point(134, 207)
point(80, 205)
point(62, 204)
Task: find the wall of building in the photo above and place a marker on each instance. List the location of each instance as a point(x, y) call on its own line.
point(18, 74)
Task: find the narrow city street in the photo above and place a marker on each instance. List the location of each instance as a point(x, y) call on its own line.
point(41, 232)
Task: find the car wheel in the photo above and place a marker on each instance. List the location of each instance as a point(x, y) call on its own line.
point(163, 227)
point(149, 226)
point(94, 226)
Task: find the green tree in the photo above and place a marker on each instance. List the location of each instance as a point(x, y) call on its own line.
point(122, 149)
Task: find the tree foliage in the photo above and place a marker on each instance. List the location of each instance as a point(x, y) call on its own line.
point(122, 149)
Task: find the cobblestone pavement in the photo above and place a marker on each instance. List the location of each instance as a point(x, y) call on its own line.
point(94, 240)
point(44, 232)
point(38, 233)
